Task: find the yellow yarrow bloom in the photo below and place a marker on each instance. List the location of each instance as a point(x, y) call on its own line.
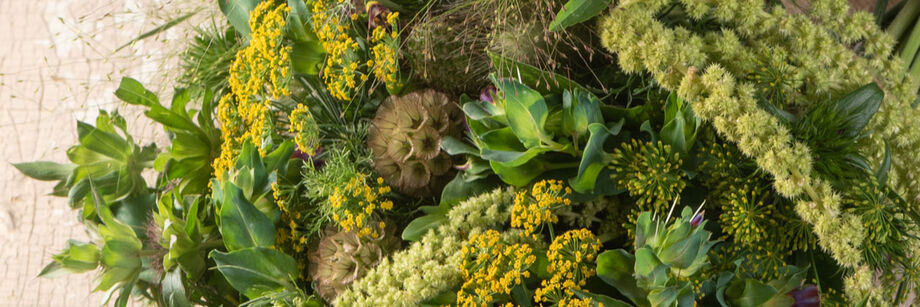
point(571, 261)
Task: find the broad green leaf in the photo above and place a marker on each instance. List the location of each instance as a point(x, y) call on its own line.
point(277, 159)
point(174, 290)
point(518, 176)
point(600, 300)
point(503, 139)
point(45, 170)
point(133, 92)
point(417, 228)
point(172, 120)
point(307, 57)
point(105, 143)
point(615, 267)
point(755, 293)
point(453, 147)
point(512, 158)
point(577, 11)
point(859, 106)
point(521, 296)
point(237, 12)
point(298, 21)
point(593, 159)
point(646, 262)
point(256, 270)
point(526, 112)
point(120, 259)
point(585, 111)
point(242, 225)
point(458, 189)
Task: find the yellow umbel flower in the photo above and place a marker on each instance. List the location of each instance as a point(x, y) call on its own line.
point(355, 206)
point(385, 63)
point(491, 267)
point(305, 129)
point(529, 212)
point(260, 73)
point(331, 26)
point(571, 261)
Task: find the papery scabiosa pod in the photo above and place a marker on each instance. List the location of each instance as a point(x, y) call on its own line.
point(341, 257)
point(405, 138)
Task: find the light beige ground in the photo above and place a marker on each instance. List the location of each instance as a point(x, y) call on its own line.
point(57, 66)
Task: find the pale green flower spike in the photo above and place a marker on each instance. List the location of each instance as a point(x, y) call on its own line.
point(816, 47)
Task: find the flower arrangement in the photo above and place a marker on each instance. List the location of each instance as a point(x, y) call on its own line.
point(625, 153)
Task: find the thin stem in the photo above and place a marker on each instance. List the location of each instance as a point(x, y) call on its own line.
point(900, 23)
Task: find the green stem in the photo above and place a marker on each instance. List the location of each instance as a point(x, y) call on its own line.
point(915, 71)
point(900, 23)
point(909, 48)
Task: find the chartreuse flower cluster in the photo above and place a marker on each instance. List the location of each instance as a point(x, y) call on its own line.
point(305, 129)
point(385, 61)
point(491, 268)
point(354, 206)
point(571, 263)
point(260, 73)
point(431, 266)
point(649, 171)
point(530, 212)
point(816, 45)
point(332, 26)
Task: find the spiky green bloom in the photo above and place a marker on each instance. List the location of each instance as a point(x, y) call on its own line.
point(650, 171)
point(340, 258)
point(430, 266)
point(406, 141)
point(746, 216)
point(884, 220)
point(207, 60)
point(820, 53)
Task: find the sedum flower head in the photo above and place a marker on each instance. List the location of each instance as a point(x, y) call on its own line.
point(531, 211)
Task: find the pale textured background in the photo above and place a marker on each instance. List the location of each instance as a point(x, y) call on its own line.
point(57, 65)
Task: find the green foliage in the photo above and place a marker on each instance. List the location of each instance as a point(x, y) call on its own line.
point(206, 61)
point(523, 134)
point(254, 271)
point(577, 11)
point(237, 13)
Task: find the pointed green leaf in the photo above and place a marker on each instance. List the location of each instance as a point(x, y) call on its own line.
point(256, 270)
point(133, 92)
point(577, 11)
point(242, 225)
point(45, 170)
point(237, 12)
point(526, 112)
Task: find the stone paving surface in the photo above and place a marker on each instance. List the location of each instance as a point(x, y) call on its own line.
point(58, 65)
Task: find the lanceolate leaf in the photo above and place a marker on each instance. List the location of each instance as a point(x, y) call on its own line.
point(526, 111)
point(594, 159)
point(577, 11)
point(859, 106)
point(45, 170)
point(256, 270)
point(237, 12)
point(241, 224)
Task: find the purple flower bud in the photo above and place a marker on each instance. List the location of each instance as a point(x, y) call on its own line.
point(306, 157)
point(487, 94)
point(697, 219)
point(807, 296)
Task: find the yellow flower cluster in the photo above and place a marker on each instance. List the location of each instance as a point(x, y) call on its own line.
point(305, 129)
point(244, 112)
point(385, 63)
point(529, 212)
point(341, 70)
point(289, 218)
point(353, 206)
point(571, 261)
point(578, 302)
point(491, 267)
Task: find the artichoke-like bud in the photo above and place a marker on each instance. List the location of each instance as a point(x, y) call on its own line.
point(406, 140)
point(340, 258)
point(681, 245)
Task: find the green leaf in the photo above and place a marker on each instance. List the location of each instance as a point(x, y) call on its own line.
point(307, 57)
point(577, 11)
point(512, 158)
point(77, 257)
point(544, 82)
point(452, 146)
point(256, 270)
point(584, 112)
point(526, 111)
point(237, 12)
point(420, 226)
point(755, 293)
point(598, 300)
point(615, 267)
point(133, 92)
point(882, 173)
point(518, 176)
point(297, 21)
point(45, 170)
point(594, 159)
point(173, 290)
point(479, 110)
point(106, 143)
point(859, 106)
point(458, 189)
point(242, 225)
